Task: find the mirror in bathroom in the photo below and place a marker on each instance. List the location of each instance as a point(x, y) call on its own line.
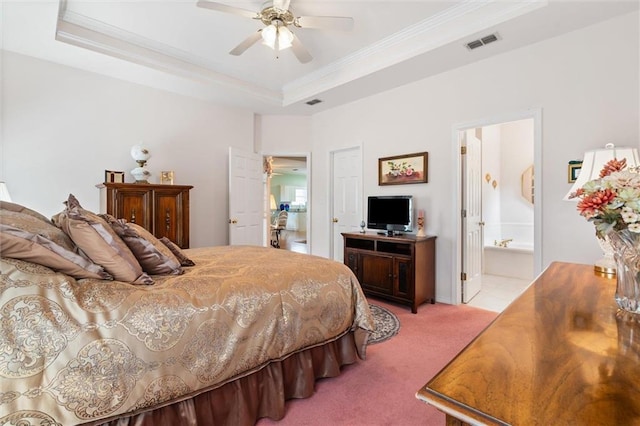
point(526, 184)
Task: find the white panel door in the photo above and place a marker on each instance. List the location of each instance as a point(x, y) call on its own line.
point(246, 198)
point(346, 197)
point(472, 225)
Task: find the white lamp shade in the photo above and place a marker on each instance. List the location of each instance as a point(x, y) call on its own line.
point(285, 38)
point(269, 34)
point(594, 161)
point(4, 192)
point(140, 153)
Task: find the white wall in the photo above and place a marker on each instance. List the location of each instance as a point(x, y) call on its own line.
point(516, 141)
point(587, 85)
point(491, 198)
point(63, 127)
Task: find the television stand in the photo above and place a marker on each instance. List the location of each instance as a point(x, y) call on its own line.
point(401, 269)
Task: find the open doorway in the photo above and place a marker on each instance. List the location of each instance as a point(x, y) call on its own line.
point(498, 235)
point(288, 191)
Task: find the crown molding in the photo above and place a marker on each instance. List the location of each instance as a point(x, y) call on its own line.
point(454, 23)
point(445, 27)
point(82, 31)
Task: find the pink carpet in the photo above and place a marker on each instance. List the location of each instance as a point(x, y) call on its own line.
point(381, 390)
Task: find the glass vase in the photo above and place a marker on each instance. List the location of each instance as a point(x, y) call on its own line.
point(626, 252)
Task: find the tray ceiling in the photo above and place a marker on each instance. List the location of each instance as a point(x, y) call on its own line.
point(176, 46)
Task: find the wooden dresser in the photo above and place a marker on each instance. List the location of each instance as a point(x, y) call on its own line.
point(560, 354)
point(161, 209)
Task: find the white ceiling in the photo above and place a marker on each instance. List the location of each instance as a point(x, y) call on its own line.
point(174, 45)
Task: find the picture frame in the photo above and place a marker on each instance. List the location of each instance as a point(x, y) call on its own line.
point(111, 176)
point(574, 170)
point(166, 177)
point(403, 169)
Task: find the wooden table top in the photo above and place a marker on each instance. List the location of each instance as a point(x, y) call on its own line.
point(559, 354)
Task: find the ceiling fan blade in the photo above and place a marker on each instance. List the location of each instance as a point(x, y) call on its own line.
point(246, 43)
point(300, 51)
point(281, 4)
point(341, 23)
point(227, 9)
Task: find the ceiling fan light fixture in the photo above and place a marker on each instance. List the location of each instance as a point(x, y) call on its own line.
point(269, 34)
point(285, 38)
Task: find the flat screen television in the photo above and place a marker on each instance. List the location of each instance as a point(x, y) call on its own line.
point(393, 213)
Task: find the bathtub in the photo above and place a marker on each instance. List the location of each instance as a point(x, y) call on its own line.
point(514, 261)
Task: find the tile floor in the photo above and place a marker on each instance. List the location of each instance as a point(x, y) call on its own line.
point(498, 292)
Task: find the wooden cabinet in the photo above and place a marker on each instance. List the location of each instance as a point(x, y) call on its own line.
point(161, 209)
point(401, 269)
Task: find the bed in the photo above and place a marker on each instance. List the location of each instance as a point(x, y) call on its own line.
point(226, 341)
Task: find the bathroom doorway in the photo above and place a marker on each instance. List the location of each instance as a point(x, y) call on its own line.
point(497, 246)
point(289, 192)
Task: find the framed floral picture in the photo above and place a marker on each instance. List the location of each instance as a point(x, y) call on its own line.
point(403, 169)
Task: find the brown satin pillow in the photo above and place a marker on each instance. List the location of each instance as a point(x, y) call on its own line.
point(154, 257)
point(95, 237)
point(21, 244)
point(34, 223)
point(17, 208)
point(177, 252)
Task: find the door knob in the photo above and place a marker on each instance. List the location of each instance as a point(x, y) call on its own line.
point(233, 221)
point(335, 220)
point(481, 223)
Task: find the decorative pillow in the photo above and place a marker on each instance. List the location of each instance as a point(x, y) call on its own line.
point(34, 223)
point(17, 208)
point(95, 237)
point(154, 257)
point(21, 244)
point(177, 252)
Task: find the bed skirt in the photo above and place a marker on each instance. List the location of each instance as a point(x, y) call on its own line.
point(260, 394)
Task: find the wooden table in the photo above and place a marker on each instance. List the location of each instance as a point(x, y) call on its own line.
point(560, 354)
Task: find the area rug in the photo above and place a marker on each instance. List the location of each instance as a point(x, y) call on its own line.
point(387, 324)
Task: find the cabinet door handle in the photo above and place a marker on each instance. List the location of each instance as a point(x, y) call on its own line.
point(233, 221)
point(167, 220)
point(335, 220)
point(133, 216)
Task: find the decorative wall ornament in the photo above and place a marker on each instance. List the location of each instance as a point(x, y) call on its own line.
point(268, 165)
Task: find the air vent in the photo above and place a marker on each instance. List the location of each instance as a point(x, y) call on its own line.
point(314, 101)
point(483, 41)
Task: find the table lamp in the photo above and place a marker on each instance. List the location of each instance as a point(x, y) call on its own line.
point(592, 164)
point(4, 192)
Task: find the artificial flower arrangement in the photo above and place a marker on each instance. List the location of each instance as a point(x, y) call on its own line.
point(612, 202)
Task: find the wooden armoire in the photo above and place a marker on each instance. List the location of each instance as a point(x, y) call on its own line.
point(163, 210)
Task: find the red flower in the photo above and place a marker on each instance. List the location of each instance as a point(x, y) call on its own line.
point(613, 166)
point(592, 203)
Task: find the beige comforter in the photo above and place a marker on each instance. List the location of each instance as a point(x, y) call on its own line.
point(78, 351)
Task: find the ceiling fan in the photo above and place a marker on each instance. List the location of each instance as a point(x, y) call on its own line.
point(277, 18)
